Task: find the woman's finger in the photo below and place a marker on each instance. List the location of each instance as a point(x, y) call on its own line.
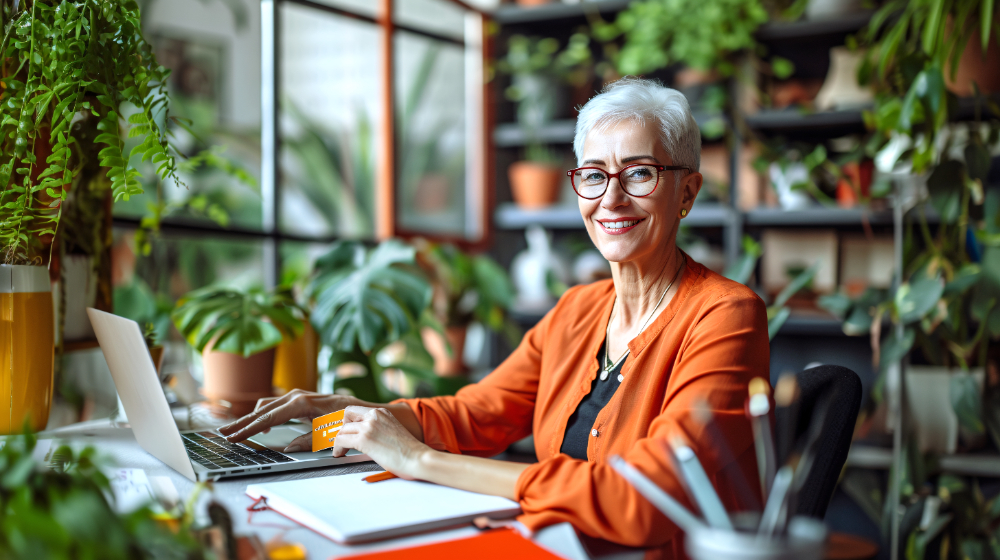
point(267, 419)
point(356, 413)
point(301, 443)
point(257, 413)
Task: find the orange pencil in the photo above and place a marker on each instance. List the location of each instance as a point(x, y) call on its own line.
point(380, 477)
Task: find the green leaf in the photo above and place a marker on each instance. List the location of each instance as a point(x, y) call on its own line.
point(946, 186)
point(965, 278)
point(775, 323)
point(782, 67)
point(798, 283)
point(743, 268)
point(915, 298)
point(894, 348)
point(367, 298)
point(967, 401)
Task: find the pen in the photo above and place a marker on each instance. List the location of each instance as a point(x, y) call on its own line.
point(786, 408)
point(656, 496)
point(758, 406)
point(701, 488)
point(777, 502)
point(380, 477)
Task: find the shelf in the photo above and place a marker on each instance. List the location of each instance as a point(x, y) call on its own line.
point(812, 324)
point(869, 457)
point(511, 216)
point(796, 121)
point(507, 15)
point(510, 135)
point(810, 29)
point(819, 216)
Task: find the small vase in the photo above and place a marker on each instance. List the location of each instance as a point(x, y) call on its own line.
point(535, 185)
point(238, 381)
point(295, 362)
point(928, 397)
point(784, 179)
point(27, 344)
point(841, 89)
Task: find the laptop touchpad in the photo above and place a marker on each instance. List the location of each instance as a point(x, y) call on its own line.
point(279, 437)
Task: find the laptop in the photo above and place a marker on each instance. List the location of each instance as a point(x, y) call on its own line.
point(196, 454)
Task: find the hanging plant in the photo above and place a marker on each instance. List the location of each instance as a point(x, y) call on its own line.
point(60, 59)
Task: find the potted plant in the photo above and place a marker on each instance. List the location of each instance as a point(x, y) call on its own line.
point(60, 60)
point(946, 304)
point(236, 332)
point(61, 509)
point(363, 301)
point(536, 70)
point(466, 288)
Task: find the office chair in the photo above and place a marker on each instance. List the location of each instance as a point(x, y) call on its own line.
point(835, 393)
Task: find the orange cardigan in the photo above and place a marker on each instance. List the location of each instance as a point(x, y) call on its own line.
point(708, 343)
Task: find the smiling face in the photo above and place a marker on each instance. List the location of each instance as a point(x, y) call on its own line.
point(626, 228)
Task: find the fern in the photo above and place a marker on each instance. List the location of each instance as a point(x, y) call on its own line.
point(61, 58)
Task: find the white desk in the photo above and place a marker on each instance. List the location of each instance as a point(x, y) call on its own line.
point(118, 444)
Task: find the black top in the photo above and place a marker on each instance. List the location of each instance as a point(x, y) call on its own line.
point(582, 421)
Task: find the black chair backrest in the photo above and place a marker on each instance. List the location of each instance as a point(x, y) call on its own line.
point(832, 395)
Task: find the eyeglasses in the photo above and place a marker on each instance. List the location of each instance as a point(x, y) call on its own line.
point(637, 180)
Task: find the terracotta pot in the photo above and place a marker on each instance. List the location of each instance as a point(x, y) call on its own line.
point(156, 353)
point(237, 380)
point(27, 343)
point(534, 185)
point(295, 362)
point(445, 364)
point(974, 67)
point(530, 3)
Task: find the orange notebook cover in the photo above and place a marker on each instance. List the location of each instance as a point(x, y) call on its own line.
point(498, 544)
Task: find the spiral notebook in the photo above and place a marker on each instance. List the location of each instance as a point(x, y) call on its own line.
point(349, 510)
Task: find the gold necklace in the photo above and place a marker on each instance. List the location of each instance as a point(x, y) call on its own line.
point(608, 366)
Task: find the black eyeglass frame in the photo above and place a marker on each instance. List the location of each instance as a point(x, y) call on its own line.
point(659, 169)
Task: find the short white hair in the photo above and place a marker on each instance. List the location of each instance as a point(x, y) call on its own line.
point(643, 101)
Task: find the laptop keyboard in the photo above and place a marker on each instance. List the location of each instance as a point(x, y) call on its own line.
point(215, 452)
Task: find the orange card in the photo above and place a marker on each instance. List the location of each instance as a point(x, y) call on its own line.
point(325, 429)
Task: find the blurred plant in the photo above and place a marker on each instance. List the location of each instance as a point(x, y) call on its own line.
point(63, 511)
point(364, 301)
point(536, 67)
point(337, 172)
point(468, 288)
point(62, 59)
point(777, 313)
point(241, 322)
point(909, 44)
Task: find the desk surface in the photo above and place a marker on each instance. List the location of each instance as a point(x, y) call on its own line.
point(118, 444)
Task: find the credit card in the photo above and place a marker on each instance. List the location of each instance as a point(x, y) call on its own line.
point(325, 429)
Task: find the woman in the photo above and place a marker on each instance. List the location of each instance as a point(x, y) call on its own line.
point(614, 369)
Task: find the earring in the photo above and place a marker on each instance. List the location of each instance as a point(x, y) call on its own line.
point(684, 213)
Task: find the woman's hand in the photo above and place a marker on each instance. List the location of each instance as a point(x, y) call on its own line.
point(276, 411)
point(377, 433)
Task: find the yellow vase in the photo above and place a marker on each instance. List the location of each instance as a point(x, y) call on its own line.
point(295, 362)
point(27, 339)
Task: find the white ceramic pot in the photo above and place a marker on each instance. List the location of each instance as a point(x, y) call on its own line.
point(530, 271)
point(81, 293)
point(928, 399)
point(830, 9)
point(783, 179)
point(841, 89)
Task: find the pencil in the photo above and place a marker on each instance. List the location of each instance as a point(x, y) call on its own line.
point(700, 486)
point(380, 477)
point(758, 407)
point(702, 414)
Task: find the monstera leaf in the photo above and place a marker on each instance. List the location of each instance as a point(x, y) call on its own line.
point(239, 322)
point(367, 298)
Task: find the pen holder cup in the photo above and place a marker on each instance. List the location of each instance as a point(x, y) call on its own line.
point(805, 540)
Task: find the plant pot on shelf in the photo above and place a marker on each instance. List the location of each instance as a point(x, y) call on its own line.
point(295, 362)
point(531, 3)
point(27, 342)
point(535, 185)
point(235, 383)
point(841, 89)
point(975, 67)
point(929, 398)
point(446, 364)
